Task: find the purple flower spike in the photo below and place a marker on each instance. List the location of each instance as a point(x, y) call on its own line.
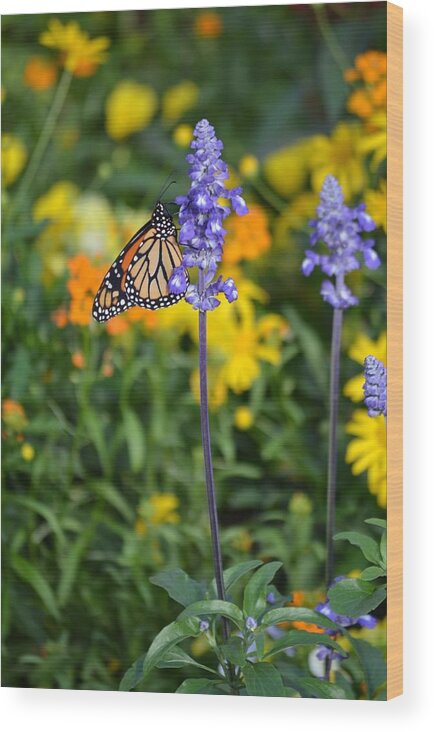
point(201, 217)
point(340, 228)
point(375, 387)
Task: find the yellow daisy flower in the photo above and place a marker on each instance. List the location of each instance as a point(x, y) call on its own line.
point(368, 452)
point(340, 155)
point(179, 99)
point(80, 54)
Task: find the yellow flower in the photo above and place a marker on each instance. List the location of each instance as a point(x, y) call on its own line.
point(243, 418)
point(376, 204)
point(247, 236)
point(56, 208)
point(248, 166)
point(339, 155)
point(367, 452)
point(129, 108)
point(39, 74)
point(300, 504)
point(79, 54)
point(183, 135)
point(178, 99)
point(163, 509)
point(27, 452)
point(364, 346)
point(375, 142)
point(14, 156)
point(287, 169)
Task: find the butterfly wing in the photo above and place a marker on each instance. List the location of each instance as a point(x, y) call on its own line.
point(111, 298)
point(150, 269)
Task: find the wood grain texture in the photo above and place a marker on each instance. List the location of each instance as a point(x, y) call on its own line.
point(394, 352)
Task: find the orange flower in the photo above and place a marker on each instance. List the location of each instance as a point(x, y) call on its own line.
point(60, 317)
point(370, 69)
point(247, 236)
point(39, 74)
point(297, 598)
point(78, 360)
point(14, 415)
point(83, 285)
point(208, 24)
point(310, 627)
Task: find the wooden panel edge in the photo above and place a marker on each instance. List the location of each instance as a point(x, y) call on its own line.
point(394, 351)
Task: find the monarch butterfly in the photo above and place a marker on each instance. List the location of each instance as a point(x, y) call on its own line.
point(141, 272)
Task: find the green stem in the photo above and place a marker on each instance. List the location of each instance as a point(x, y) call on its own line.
point(329, 37)
point(43, 141)
point(268, 195)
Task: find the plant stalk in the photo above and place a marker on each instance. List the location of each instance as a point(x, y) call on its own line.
point(332, 448)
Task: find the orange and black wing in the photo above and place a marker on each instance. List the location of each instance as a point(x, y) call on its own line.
point(150, 269)
point(111, 298)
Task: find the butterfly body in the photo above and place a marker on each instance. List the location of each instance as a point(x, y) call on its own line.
point(140, 274)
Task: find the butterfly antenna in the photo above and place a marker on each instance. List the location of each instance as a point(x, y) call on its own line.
point(167, 183)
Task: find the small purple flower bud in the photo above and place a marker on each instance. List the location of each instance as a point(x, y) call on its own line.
point(375, 387)
point(203, 626)
point(251, 623)
point(271, 598)
point(229, 289)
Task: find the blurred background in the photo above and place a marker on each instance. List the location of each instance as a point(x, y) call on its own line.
point(103, 477)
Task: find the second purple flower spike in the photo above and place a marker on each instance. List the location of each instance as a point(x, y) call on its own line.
point(340, 228)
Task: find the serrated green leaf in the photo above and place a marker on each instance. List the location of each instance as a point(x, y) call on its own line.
point(32, 576)
point(355, 597)
point(215, 607)
point(255, 591)
point(170, 636)
point(297, 614)
point(366, 544)
point(179, 586)
point(262, 679)
point(302, 638)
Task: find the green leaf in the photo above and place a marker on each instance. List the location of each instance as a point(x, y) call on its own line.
point(233, 651)
point(135, 439)
point(44, 511)
point(377, 522)
point(262, 679)
point(372, 573)
point(372, 663)
point(215, 607)
point(179, 586)
point(200, 686)
point(255, 591)
point(368, 546)
point(319, 689)
point(177, 658)
point(95, 431)
point(297, 614)
point(383, 549)
point(32, 576)
point(70, 564)
point(233, 574)
point(302, 638)
point(112, 496)
point(170, 636)
point(355, 597)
